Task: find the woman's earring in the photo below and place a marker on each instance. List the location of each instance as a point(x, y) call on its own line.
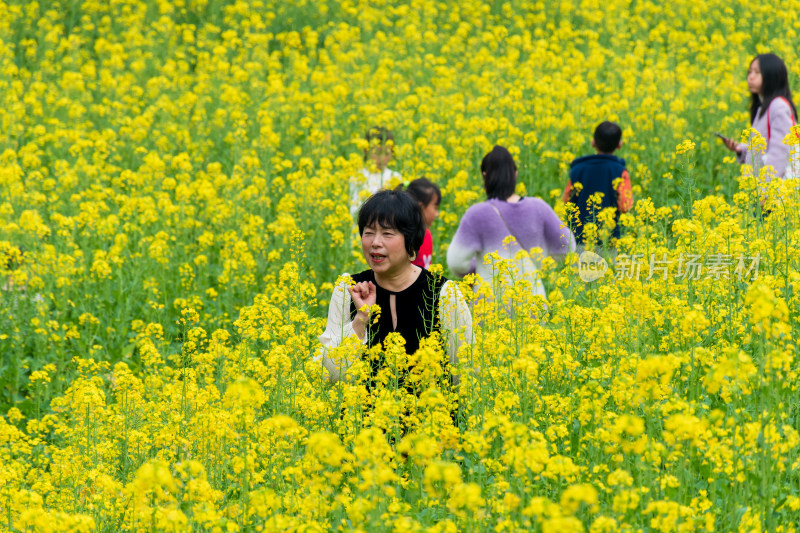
point(413, 257)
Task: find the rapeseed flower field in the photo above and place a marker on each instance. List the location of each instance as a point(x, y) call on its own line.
point(174, 216)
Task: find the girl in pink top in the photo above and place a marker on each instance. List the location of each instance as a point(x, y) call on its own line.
point(428, 196)
point(772, 112)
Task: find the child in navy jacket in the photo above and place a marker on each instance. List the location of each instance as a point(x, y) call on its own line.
point(602, 173)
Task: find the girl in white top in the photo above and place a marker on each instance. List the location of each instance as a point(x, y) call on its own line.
point(376, 175)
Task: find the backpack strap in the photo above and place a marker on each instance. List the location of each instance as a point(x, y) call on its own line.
point(507, 226)
point(769, 132)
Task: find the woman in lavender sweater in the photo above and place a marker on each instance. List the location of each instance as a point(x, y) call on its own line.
point(485, 226)
point(772, 113)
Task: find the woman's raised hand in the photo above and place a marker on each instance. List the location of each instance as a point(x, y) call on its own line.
point(363, 293)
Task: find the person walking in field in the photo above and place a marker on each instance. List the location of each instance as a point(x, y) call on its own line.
point(486, 225)
point(772, 114)
point(599, 181)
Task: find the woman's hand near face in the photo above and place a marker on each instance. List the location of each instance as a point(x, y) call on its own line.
point(363, 294)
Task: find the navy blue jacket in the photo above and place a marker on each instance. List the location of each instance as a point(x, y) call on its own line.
point(595, 174)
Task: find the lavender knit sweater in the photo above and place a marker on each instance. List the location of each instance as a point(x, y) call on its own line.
point(482, 231)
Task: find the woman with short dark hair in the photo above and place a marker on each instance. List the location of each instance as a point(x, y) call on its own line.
point(413, 302)
point(485, 226)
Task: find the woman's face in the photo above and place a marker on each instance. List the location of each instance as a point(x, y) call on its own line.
point(754, 78)
point(430, 212)
point(384, 249)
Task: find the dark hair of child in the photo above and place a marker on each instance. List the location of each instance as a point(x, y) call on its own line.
point(424, 191)
point(607, 136)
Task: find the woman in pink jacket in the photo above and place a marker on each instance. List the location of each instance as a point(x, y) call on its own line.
point(772, 113)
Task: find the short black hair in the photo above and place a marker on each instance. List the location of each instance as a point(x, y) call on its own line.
point(499, 173)
point(424, 191)
point(607, 136)
point(397, 210)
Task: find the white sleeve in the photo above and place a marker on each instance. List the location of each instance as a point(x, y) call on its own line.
point(338, 328)
point(465, 248)
point(460, 259)
point(455, 318)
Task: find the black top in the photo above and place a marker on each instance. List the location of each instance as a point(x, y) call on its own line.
point(417, 309)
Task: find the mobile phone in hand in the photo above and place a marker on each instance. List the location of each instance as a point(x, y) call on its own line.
point(721, 136)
